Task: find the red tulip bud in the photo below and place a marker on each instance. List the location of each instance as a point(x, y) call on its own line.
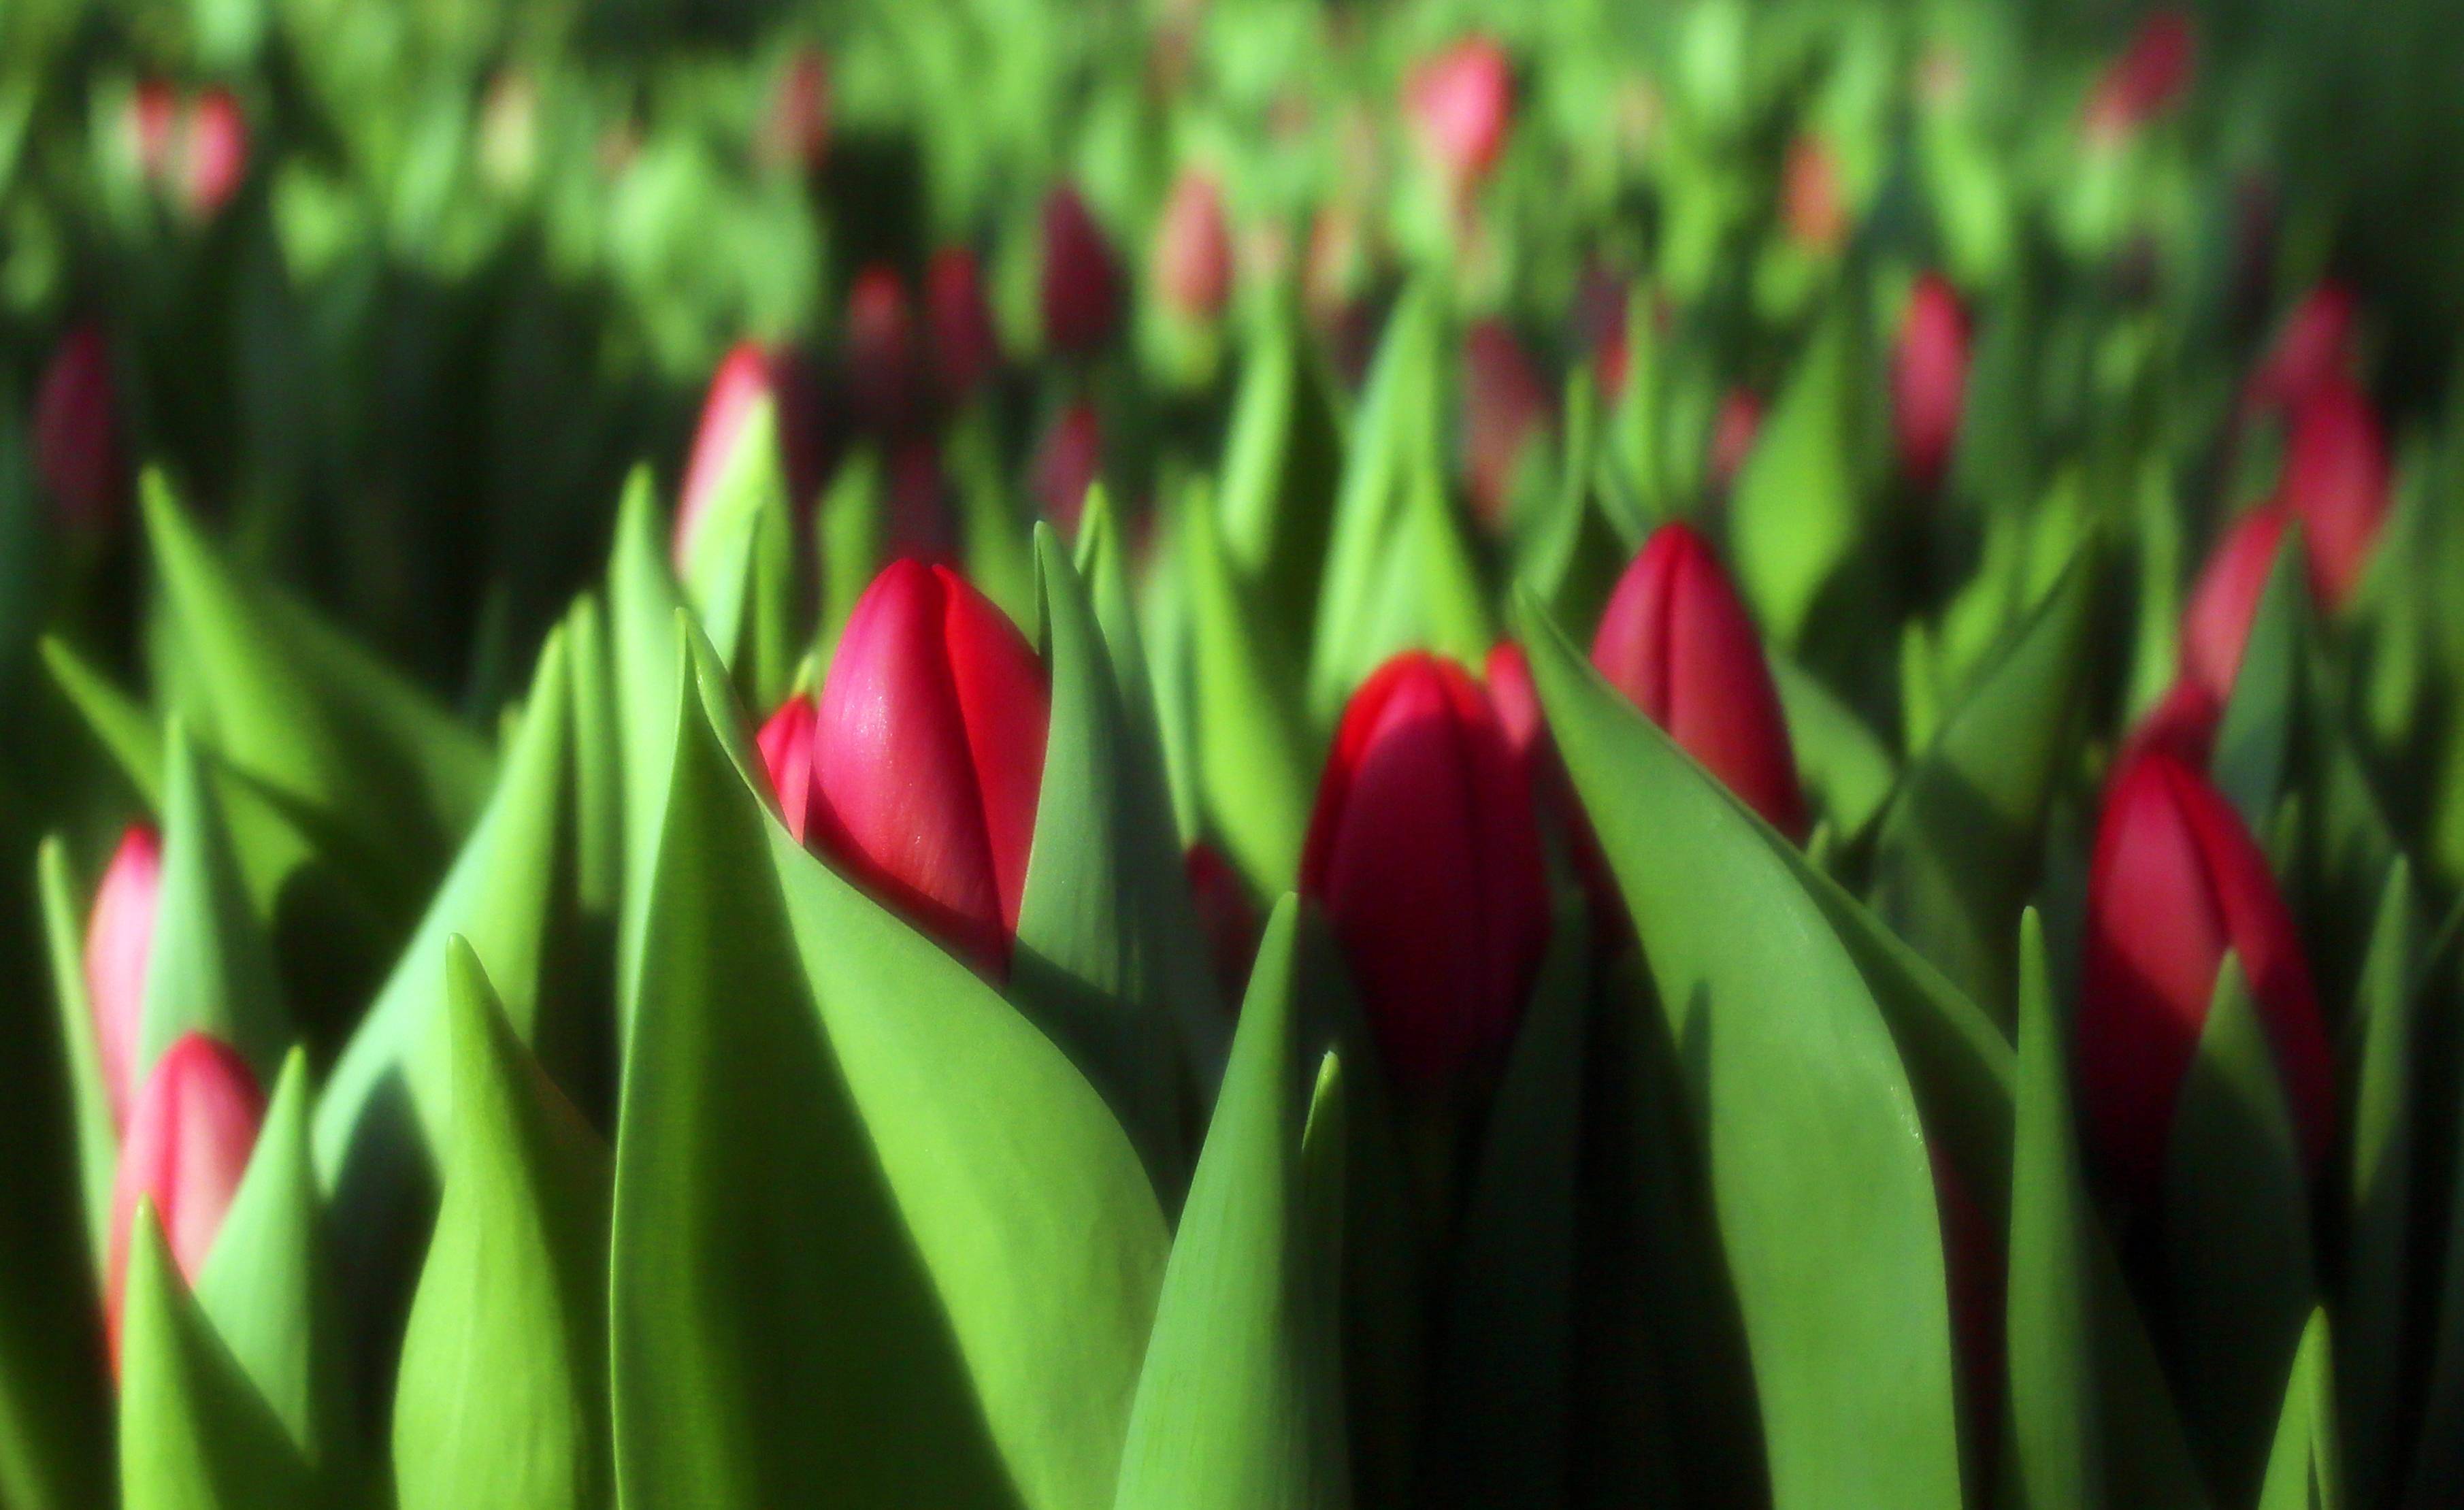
point(1676, 640)
point(2314, 346)
point(2151, 75)
point(2174, 884)
point(1081, 285)
point(187, 1145)
point(1732, 434)
point(1517, 700)
point(928, 757)
point(1506, 409)
point(1462, 103)
point(119, 943)
point(958, 324)
point(217, 159)
point(1929, 379)
point(2183, 725)
point(786, 745)
point(1226, 916)
point(1813, 205)
point(77, 433)
point(1423, 851)
point(749, 373)
point(881, 350)
point(797, 131)
point(1193, 250)
point(2335, 480)
point(2224, 602)
point(1066, 464)
point(154, 127)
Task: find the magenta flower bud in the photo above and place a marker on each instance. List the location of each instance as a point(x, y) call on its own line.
point(2147, 79)
point(1080, 286)
point(1929, 379)
point(881, 350)
point(2225, 601)
point(959, 325)
point(119, 943)
point(2314, 346)
point(187, 1145)
point(786, 745)
point(2176, 882)
point(216, 158)
point(1506, 409)
point(2335, 480)
point(1462, 103)
point(154, 128)
point(1227, 917)
point(1193, 250)
point(77, 450)
point(749, 373)
point(1677, 643)
point(1423, 850)
point(928, 757)
point(2183, 725)
point(1066, 464)
point(1733, 430)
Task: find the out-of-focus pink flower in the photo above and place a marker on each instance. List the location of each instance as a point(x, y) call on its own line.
point(187, 1145)
point(1081, 284)
point(920, 527)
point(2335, 480)
point(1462, 104)
point(1677, 643)
point(1423, 850)
point(796, 129)
point(928, 757)
point(2183, 725)
point(1193, 250)
point(2225, 601)
point(1813, 203)
point(959, 325)
point(78, 447)
point(750, 374)
point(1929, 379)
point(1733, 429)
point(2312, 348)
point(119, 945)
point(1067, 462)
point(2149, 77)
point(881, 350)
point(217, 160)
point(1506, 409)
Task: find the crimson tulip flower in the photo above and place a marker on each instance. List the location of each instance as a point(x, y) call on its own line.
point(1462, 104)
point(217, 160)
point(1677, 643)
point(928, 757)
point(881, 350)
point(1081, 285)
point(2224, 602)
point(2184, 725)
point(1193, 250)
point(2176, 882)
point(119, 945)
point(786, 745)
point(189, 1136)
point(1423, 851)
point(1066, 463)
point(2152, 74)
point(2335, 480)
point(749, 373)
point(1733, 430)
point(78, 449)
point(1506, 409)
point(1929, 379)
point(959, 325)
point(2314, 346)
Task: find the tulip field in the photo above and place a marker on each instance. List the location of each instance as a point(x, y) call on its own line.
point(1231, 754)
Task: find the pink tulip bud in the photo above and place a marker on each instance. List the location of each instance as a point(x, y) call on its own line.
point(154, 128)
point(189, 1141)
point(77, 448)
point(1227, 917)
point(2313, 347)
point(1081, 285)
point(119, 943)
point(1425, 853)
point(797, 130)
point(1929, 379)
point(881, 350)
point(1733, 429)
point(786, 745)
point(959, 325)
point(750, 374)
point(2335, 480)
point(1812, 204)
point(2148, 79)
point(1507, 410)
point(1066, 463)
point(2183, 725)
point(1677, 643)
point(1462, 104)
point(2174, 884)
point(217, 160)
point(2225, 601)
point(1193, 250)
point(928, 757)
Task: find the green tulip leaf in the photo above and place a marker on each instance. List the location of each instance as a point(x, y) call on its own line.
point(2254, 762)
point(741, 576)
point(1282, 452)
point(503, 1389)
point(643, 602)
point(2374, 1319)
point(2304, 1463)
point(2237, 1240)
point(1235, 1407)
point(1256, 755)
point(1797, 511)
point(210, 969)
point(1847, 769)
point(97, 1138)
point(597, 761)
point(1807, 1115)
point(120, 723)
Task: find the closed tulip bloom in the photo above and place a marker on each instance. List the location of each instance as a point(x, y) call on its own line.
point(1733, 430)
point(77, 450)
point(2174, 884)
point(928, 757)
point(749, 373)
point(1462, 104)
point(1067, 461)
point(1080, 286)
point(2314, 346)
point(2183, 725)
point(1813, 203)
point(190, 1137)
point(1227, 917)
point(786, 745)
point(217, 159)
point(2152, 74)
point(959, 325)
point(1425, 853)
point(119, 943)
point(1192, 251)
point(1677, 643)
point(1929, 379)
point(2335, 480)
point(881, 350)
point(2224, 601)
